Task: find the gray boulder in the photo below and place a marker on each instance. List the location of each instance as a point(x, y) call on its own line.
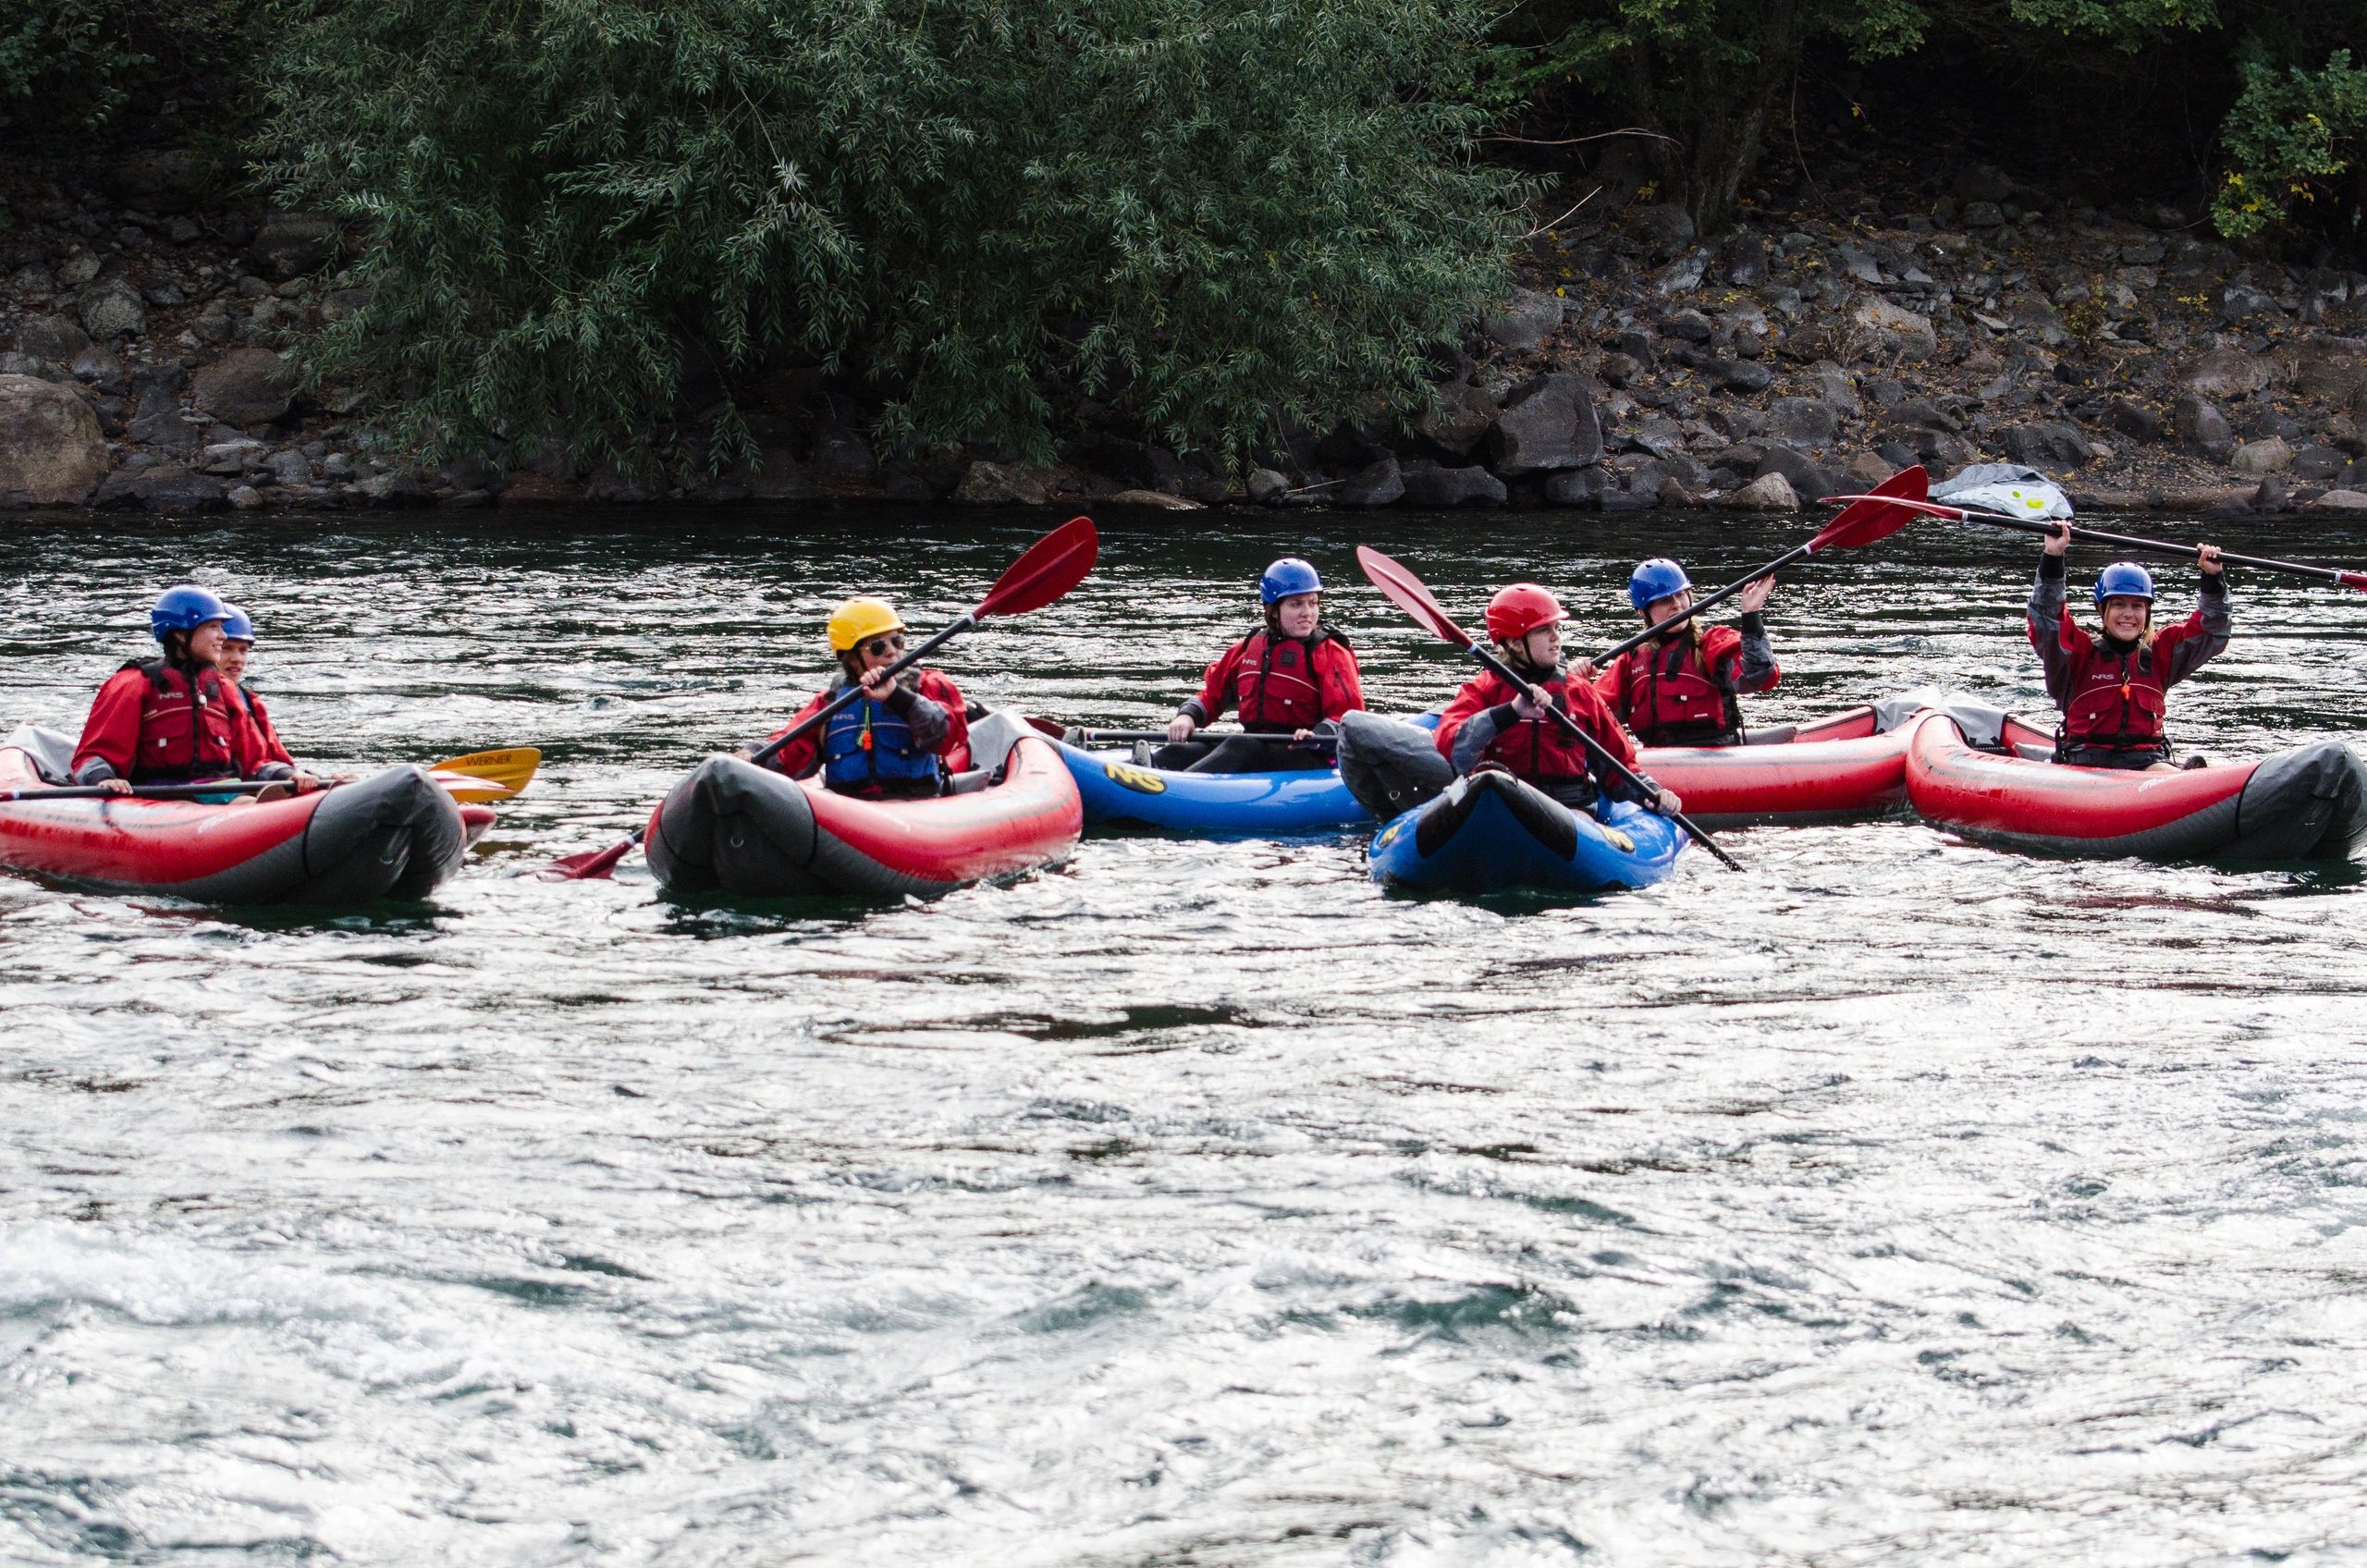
point(2133, 420)
point(1806, 479)
point(51, 338)
point(1459, 422)
point(291, 244)
point(1526, 319)
point(1267, 487)
point(1745, 376)
point(1892, 332)
point(2199, 425)
point(51, 450)
point(2316, 464)
point(1663, 224)
point(161, 487)
point(163, 181)
point(1802, 422)
point(166, 431)
point(1577, 487)
point(1378, 485)
point(2257, 459)
point(2048, 446)
point(1550, 423)
point(401, 488)
point(245, 386)
point(2230, 372)
point(1001, 484)
point(775, 476)
point(1768, 493)
point(1428, 484)
point(112, 308)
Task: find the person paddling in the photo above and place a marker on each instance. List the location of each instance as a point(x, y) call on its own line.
point(172, 719)
point(1491, 722)
point(1293, 678)
point(2113, 685)
point(905, 737)
point(1683, 687)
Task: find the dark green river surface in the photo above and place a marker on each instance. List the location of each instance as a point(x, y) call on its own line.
point(1892, 1200)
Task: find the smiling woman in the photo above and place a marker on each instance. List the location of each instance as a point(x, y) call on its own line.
point(1201, 215)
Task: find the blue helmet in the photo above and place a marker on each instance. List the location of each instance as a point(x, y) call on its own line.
point(2124, 579)
point(235, 626)
point(184, 608)
point(1287, 577)
point(1655, 580)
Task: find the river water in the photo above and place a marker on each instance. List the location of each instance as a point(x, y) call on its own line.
point(1892, 1200)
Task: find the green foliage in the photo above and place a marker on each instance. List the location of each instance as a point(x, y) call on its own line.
point(69, 65)
point(2291, 137)
point(1203, 213)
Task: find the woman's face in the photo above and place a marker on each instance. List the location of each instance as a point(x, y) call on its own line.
point(2126, 616)
point(1676, 603)
point(1299, 613)
point(206, 643)
point(1543, 647)
point(232, 661)
point(878, 652)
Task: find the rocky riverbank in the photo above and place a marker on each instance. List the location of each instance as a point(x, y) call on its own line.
point(1802, 354)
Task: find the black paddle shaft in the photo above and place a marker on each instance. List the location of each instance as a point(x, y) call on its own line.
point(2162, 548)
point(854, 691)
point(1797, 552)
point(1601, 754)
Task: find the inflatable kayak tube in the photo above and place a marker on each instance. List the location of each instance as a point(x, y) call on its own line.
point(733, 827)
point(1844, 767)
point(1117, 790)
point(1490, 833)
point(394, 835)
point(2305, 804)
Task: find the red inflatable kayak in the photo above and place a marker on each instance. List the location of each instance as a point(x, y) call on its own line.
point(2304, 804)
point(396, 835)
point(733, 827)
point(1834, 769)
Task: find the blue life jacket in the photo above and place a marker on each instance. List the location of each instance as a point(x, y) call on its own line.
point(868, 750)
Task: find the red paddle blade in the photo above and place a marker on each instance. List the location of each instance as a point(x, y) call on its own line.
point(2354, 579)
point(592, 865)
point(1051, 726)
point(1050, 566)
point(1406, 591)
point(1869, 518)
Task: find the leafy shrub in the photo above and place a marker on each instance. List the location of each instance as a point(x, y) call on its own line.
point(2292, 137)
point(1206, 214)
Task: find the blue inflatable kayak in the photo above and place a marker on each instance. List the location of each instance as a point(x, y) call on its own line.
point(1490, 833)
point(1116, 790)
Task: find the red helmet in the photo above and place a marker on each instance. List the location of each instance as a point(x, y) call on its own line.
point(1521, 608)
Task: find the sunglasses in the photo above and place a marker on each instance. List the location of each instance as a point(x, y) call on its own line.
point(879, 646)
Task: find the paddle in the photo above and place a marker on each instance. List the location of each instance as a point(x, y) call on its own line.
point(1044, 571)
point(1407, 593)
point(1868, 520)
point(145, 791)
point(1158, 738)
point(2126, 542)
point(489, 775)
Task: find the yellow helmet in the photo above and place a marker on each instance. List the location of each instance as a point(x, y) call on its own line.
point(858, 621)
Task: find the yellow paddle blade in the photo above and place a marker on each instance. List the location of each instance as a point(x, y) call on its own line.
point(489, 775)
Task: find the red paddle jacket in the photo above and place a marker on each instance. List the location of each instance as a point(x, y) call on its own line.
point(160, 723)
point(267, 746)
point(1281, 684)
point(1480, 726)
point(2115, 696)
point(1673, 692)
point(928, 701)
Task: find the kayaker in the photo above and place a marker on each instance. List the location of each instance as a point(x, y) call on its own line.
point(1489, 721)
point(1683, 687)
point(237, 645)
point(170, 720)
point(1292, 680)
point(902, 740)
point(2112, 685)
